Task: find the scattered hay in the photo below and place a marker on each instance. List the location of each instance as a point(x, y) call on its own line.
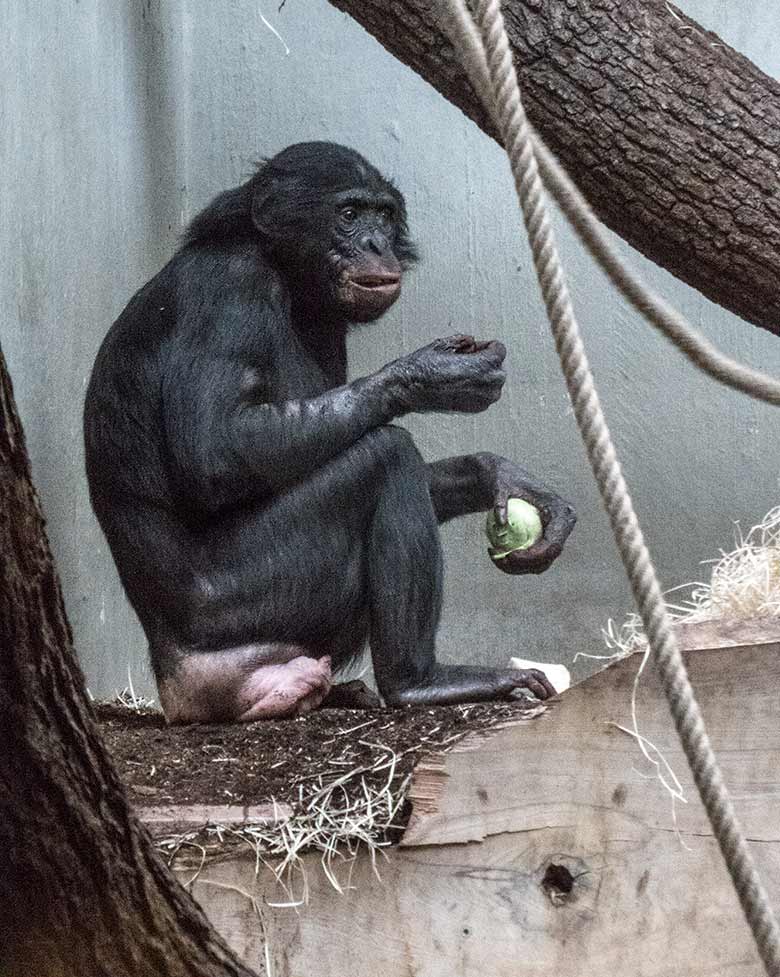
point(338, 818)
point(744, 583)
point(335, 782)
point(128, 698)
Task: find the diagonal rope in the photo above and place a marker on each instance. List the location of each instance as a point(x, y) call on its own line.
point(493, 70)
point(666, 319)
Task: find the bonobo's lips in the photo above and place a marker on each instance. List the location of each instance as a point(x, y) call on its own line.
point(368, 292)
point(377, 284)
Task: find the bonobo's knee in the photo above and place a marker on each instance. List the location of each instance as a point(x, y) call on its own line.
point(394, 446)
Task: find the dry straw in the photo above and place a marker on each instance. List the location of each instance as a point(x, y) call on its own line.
point(331, 818)
point(744, 583)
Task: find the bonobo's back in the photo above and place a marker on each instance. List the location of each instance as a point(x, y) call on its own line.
point(123, 432)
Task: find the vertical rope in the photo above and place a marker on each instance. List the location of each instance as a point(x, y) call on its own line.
point(500, 87)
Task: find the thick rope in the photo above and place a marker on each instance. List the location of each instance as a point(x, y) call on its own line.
point(495, 74)
point(655, 309)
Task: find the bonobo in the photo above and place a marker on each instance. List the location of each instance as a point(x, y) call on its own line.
point(266, 517)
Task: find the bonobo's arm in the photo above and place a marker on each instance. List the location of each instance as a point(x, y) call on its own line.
point(476, 483)
point(231, 441)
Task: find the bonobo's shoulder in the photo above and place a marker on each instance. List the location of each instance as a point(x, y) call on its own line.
point(205, 291)
point(228, 297)
point(225, 271)
point(146, 319)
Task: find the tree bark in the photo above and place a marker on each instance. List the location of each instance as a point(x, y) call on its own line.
point(82, 891)
point(671, 134)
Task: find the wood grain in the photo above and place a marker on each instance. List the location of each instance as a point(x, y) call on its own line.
point(465, 894)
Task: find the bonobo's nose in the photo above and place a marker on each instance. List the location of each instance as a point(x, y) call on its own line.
point(377, 242)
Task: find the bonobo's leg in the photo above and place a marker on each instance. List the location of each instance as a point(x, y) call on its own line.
point(405, 579)
point(279, 596)
point(284, 591)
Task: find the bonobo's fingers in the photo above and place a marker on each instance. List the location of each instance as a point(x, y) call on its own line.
point(488, 378)
point(536, 559)
point(482, 392)
point(455, 344)
point(501, 509)
point(558, 520)
point(557, 516)
point(493, 351)
point(453, 374)
point(468, 345)
point(535, 681)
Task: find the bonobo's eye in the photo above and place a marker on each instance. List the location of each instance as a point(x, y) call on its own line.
point(387, 215)
point(348, 215)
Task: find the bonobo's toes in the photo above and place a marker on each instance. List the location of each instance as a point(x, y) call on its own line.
point(535, 681)
point(351, 695)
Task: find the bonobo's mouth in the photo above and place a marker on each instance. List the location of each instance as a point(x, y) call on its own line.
point(377, 284)
point(366, 295)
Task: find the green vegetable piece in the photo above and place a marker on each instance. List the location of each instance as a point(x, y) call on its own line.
point(523, 529)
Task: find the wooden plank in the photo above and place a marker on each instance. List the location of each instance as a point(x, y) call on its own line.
point(728, 634)
point(573, 760)
point(649, 897)
point(175, 819)
point(642, 905)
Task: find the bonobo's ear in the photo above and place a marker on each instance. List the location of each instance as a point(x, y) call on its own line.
point(263, 196)
point(405, 249)
point(280, 209)
point(268, 192)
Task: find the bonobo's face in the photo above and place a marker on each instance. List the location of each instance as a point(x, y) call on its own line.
point(335, 227)
point(366, 270)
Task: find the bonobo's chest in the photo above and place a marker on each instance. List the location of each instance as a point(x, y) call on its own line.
point(306, 367)
point(289, 353)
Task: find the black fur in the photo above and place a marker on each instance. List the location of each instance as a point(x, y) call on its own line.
point(247, 491)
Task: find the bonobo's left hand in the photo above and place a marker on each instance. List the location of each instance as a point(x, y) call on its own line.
point(558, 517)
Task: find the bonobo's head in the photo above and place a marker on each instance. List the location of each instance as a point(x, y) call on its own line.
point(335, 227)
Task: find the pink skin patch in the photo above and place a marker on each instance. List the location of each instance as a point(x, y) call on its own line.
point(272, 681)
point(291, 689)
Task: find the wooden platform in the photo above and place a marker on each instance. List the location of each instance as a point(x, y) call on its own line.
point(547, 848)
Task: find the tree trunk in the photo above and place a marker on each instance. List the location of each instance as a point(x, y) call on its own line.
point(671, 135)
point(82, 891)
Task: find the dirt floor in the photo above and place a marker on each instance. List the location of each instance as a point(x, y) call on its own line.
point(254, 763)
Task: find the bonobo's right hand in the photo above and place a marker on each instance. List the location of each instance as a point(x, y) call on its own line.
point(454, 374)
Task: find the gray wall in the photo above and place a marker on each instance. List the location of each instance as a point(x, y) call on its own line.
point(121, 119)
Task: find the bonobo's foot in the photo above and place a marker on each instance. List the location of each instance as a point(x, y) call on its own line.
point(351, 695)
point(535, 681)
point(292, 689)
point(451, 684)
point(244, 684)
